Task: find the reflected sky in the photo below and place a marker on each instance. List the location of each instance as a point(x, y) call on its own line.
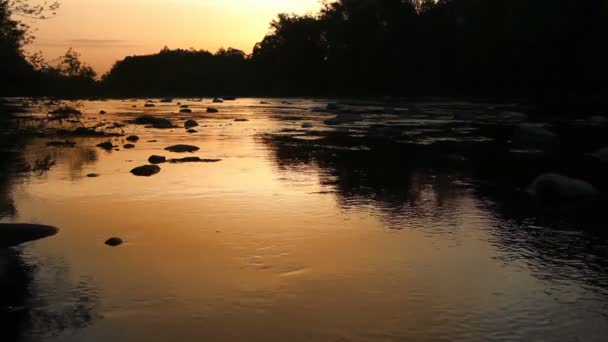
point(363, 234)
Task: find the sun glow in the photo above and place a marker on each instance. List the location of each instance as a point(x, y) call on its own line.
point(104, 31)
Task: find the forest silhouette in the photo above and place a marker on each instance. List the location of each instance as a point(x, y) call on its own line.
point(539, 49)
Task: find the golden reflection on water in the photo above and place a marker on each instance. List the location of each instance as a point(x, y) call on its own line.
point(247, 249)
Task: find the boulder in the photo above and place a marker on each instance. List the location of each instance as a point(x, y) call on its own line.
point(14, 234)
point(108, 146)
point(157, 159)
point(212, 110)
point(182, 148)
point(529, 136)
point(190, 124)
point(146, 170)
point(128, 146)
point(114, 242)
point(554, 188)
point(132, 138)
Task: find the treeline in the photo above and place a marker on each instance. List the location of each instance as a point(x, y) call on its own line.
point(540, 48)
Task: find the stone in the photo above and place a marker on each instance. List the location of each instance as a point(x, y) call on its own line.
point(217, 100)
point(108, 146)
point(93, 175)
point(114, 242)
point(241, 120)
point(102, 112)
point(190, 124)
point(128, 146)
point(307, 125)
point(146, 170)
point(132, 138)
point(157, 159)
point(185, 110)
point(554, 188)
point(212, 110)
point(193, 160)
point(192, 131)
point(182, 148)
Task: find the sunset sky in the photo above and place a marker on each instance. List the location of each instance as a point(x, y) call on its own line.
point(104, 31)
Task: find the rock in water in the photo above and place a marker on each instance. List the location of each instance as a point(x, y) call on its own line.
point(166, 100)
point(185, 110)
point(241, 120)
point(129, 146)
point(114, 242)
point(102, 112)
point(555, 188)
point(212, 110)
point(216, 100)
point(146, 170)
point(190, 124)
point(157, 159)
point(192, 131)
point(13, 234)
point(93, 175)
point(108, 146)
point(183, 106)
point(132, 138)
point(193, 160)
point(182, 148)
point(307, 125)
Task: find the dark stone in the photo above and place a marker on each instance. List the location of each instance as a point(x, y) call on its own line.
point(230, 98)
point(93, 175)
point(182, 148)
point(154, 121)
point(149, 105)
point(183, 106)
point(106, 145)
point(212, 110)
point(167, 100)
point(132, 138)
point(193, 160)
point(114, 242)
point(102, 112)
point(146, 170)
point(157, 159)
point(241, 120)
point(129, 146)
point(192, 131)
point(216, 100)
point(264, 102)
point(185, 110)
point(190, 124)
point(66, 143)
point(13, 234)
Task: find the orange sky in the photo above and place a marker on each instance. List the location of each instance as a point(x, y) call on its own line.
point(104, 31)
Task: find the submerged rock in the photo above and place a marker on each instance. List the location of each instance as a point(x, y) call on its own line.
point(93, 175)
point(190, 124)
point(14, 234)
point(185, 110)
point(146, 170)
point(182, 148)
point(193, 160)
point(114, 242)
point(132, 138)
point(192, 131)
point(102, 112)
point(241, 120)
point(157, 159)
point(212, 110)
point(128, 146)
point(108, 146)
point(66, 143)
point(553, 188)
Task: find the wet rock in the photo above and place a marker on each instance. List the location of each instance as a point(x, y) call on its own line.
point(134, 106)
point(167, 100)
point(128, 146)
point(108, 146)
point(192, 131)
point(183, 106)
point(14, 234)
point(66, 143)
point(114, 242)
point(264, 102)
point(241, 120)
point(157, 159)
point(146, 170)
point(93, 175)
point(528, 136)
point(132, 138)
point(217, 100)
point(212, 110)
point(190, 124)
point(149, 105)
point(152, 141)
point(553, 188)
point(182, 148)
point(102, 112)
point(307, 125)
point(185, 110)
point(160, 123)
point(193, 160)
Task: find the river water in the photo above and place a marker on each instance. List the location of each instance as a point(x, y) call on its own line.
point(356, 232)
